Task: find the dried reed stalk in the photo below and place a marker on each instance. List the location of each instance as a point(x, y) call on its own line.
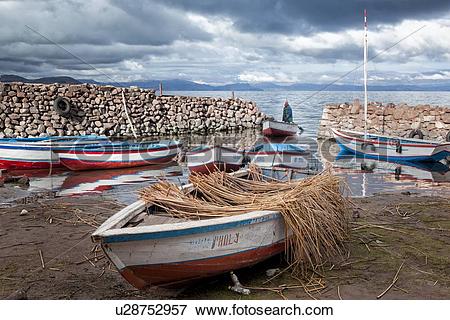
point(314, 209)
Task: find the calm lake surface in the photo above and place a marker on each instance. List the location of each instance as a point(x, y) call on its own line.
point(307, 105)
point(122, 184)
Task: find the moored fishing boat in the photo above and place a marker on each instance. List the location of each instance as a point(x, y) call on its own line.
point(205, 159)
point(117, 155)
point(279, 155)
point(387, 147)
point(37, 153)
point(274, 128)
point(390, 148)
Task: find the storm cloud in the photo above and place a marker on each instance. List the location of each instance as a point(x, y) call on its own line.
point(221, 41)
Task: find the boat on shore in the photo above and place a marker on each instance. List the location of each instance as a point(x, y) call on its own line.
point(154, 249)
point(279, 155)
point(205, 159)
point(272, 128)
point(117, 155)
point(38, 153)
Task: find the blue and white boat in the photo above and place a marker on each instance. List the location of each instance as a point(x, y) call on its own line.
point(279, 155)
point(382, 147)
point(37, 153)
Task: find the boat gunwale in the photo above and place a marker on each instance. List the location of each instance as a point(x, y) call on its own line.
point(415, 142)
point(119, 219)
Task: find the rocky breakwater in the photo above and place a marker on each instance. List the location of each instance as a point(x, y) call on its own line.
point(28, 110)
point(433, 122)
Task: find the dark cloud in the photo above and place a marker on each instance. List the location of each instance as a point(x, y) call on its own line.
point(304, 17)
point(162, 39)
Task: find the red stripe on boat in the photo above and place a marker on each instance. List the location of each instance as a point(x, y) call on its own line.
point(277, 132)
point(76, 165)
point(117, 150)
point(10, 164)
point(178, 274)
point(214, 166)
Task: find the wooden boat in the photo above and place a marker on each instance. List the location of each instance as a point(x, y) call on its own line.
point(281, 155)
point(117, 155)
point(152, 249)
point(387, 147)
point(206, 159)
point(279, 129)
point(381, 147)
point(37, 153)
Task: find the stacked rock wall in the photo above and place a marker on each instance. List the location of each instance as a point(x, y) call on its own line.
point(395, 120)
point(26, 110)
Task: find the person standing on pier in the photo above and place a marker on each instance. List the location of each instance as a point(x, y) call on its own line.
point(287, 113)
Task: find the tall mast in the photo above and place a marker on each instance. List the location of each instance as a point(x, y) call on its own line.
point(365, 73)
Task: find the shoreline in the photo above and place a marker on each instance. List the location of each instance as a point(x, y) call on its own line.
point(388, 230)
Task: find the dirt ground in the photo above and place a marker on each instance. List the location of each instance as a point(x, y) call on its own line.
point(399, 248)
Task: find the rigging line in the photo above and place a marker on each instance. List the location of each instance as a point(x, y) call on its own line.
point(88, 64)
point(360, 65)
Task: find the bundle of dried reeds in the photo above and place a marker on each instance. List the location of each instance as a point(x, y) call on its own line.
point(314, 209)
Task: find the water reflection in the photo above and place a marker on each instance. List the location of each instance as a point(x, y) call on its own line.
point(364, 177)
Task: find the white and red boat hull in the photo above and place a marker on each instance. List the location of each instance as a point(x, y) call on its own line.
point(384, 147)
point(279, 129)
point(175, 254)
point(26, 156)
point(110, 158)
point(215, 158)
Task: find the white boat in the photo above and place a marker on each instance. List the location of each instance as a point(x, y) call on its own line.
point(38, 153)
point(387, 147)
point(375, 146)
point(151, 249)
point(279, 155)
point(274, 128)
point(205, 159)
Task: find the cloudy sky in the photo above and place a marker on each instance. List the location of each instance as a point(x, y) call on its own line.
point(215, 41)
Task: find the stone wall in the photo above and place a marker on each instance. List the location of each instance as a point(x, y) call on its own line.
point(395, 120)
point(26, 110)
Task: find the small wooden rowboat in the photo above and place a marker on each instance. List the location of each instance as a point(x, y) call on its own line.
point(390, 148)
point(117, 155)
point(37, 153)
point(279, 155)
point(206, 159)
point(153, 249)
point(279, 129)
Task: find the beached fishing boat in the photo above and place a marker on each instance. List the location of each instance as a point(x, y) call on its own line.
point(117, 155)
point(387, 147)
point(37, 153)
point(151, 249)
point(279, 155)
point(171, 237)
point(274, 128)
point(206, 159)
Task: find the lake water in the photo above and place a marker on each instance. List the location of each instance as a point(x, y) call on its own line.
point(383, 176)
point(307, 106)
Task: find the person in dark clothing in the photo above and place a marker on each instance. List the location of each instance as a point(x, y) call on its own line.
point(287, 112)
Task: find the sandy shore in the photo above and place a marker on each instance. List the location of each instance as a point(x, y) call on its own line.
point(47, 254)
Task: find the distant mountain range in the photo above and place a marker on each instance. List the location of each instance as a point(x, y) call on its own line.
point(184, 85)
